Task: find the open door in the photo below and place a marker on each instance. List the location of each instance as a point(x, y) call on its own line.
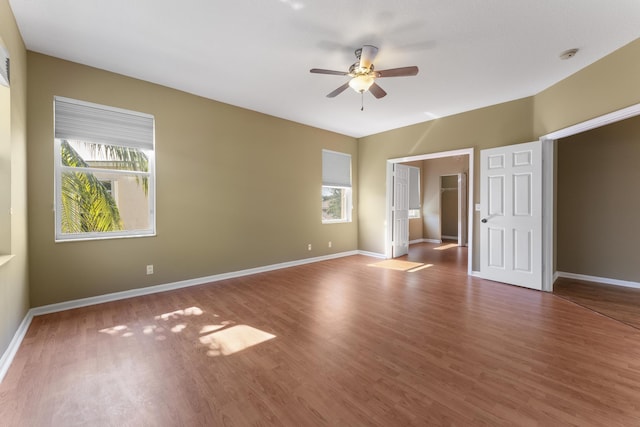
point(511, 212)
point(400, 210)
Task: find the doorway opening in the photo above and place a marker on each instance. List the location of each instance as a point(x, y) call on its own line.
point(453, 212)
point(549, 147)
point(428, 219)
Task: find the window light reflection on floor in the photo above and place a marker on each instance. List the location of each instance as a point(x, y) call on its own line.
point(221, 339)
point(400, 265)
point(447, 246)
point(422, 267)
point(234, 339)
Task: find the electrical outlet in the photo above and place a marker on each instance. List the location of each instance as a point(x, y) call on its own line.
point(329, 243)
point(150, 269)
point(309, 247)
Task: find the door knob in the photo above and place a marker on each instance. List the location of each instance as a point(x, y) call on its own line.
point(483, 220)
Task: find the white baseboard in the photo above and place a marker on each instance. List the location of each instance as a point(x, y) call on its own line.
point(9, 354)
point(413, 242)
point(14, 345)
point(605, 280)
point(372, 254)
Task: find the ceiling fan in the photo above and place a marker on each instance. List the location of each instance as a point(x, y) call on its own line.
point(363, 75)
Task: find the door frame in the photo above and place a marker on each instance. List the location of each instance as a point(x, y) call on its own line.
point(549, 142)
point(470, 190)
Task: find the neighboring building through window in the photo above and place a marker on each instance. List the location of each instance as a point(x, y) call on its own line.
point(104, 167)
point(336, 187)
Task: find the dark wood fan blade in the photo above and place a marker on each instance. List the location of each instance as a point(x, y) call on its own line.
point(377, 91)
point(338, 91)
point(398, 72)
point(321, 71)
point(367, 55)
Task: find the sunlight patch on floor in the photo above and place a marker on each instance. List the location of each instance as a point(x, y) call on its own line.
point(234, 339)
point(120, 330)
point(220, 339)
point(156, 330)
point(191, 311)
point(447, 246)
point(422, 267)
point(395, 264)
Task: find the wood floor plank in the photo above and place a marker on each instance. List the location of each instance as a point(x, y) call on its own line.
point(618, 302)
point(338, 342)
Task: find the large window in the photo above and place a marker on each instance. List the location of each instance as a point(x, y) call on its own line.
point(104, 167)
point(336, 187)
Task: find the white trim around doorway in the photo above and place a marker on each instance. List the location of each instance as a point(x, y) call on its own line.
point(470, 189)
point(548, 184)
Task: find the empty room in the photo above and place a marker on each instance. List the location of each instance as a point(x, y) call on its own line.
point(335, 213)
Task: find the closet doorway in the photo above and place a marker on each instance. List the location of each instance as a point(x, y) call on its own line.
point(453, 207)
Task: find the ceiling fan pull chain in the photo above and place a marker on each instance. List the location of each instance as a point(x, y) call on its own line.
point(362, 101)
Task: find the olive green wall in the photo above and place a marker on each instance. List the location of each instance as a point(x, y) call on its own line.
point(608, 85)
point(598, 202)
point(14, 285)
point(502, 124)
point(236, 189)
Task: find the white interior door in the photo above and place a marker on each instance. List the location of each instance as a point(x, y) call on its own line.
point(400, 210)
point(511, 214)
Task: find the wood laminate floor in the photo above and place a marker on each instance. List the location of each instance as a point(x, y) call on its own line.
point(345, 342)
point(617, 302)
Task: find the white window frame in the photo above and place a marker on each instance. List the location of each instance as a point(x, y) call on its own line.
point(346, 208)
point(336, 174)
point(59, 169)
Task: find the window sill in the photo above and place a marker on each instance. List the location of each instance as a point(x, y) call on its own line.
point(5, 259)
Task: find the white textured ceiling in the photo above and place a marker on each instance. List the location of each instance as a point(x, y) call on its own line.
point(256, 54)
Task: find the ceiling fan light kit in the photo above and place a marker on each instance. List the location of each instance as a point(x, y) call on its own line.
point(361, 83)
point(363, 75)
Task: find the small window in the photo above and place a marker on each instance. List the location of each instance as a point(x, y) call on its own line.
point(104, 166)
point(414, 192)
point(336, 187)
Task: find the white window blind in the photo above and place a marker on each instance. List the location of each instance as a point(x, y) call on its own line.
point(4, 67)
point(414, 187)
point(336, 169)
point(86, 121)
